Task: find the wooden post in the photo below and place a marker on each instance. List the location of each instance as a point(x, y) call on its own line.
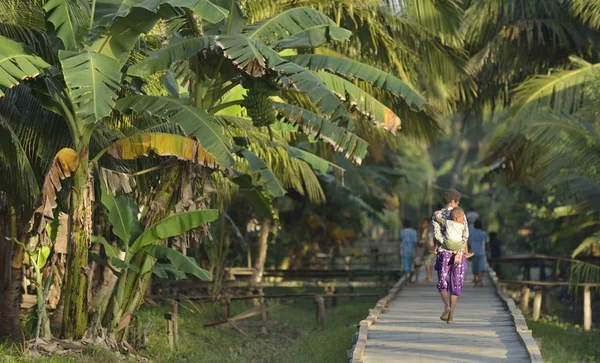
point(175, 323)
point(168, 318)
point(172, 325)
point(537, 304)
point(329, 290)
point(587, 309)
point(525, 298)
point(320, 311)
point(264, 317)
point(225, 301)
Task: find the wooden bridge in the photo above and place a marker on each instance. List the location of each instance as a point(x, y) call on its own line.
point(406, 327)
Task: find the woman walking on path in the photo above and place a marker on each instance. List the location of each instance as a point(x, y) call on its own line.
point(426, 236)
point(451, 273)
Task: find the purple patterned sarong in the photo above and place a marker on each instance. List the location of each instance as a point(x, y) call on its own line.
point(451, 276)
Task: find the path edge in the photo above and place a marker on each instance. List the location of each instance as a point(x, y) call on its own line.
point(525, 336)
point(356, 353)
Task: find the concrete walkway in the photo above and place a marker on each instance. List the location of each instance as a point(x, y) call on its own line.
point(410, 330)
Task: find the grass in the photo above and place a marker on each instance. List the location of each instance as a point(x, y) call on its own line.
point(564, 342)
point(295, 338)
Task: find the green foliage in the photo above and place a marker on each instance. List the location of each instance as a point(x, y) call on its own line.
point(172, 226)
point(563, 342)
point(17, 63)
point(179, 262)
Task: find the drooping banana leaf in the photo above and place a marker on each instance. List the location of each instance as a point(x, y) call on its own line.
point(160, 60)
point(296, 28)
point(92, 80)
point(319, 127)
point(254, 58)
point(366, 104)
point(68, 18)
point(106, 11)
point(258, 199)
point(164, 270)
point(17, 63)
point(173, 226)
point(128, 19)
point(179, 261)
point(272, 184)
point(194, 121)
point(139, 145)
point(349, 68)
point(122, 215)
point(319, 164)
point(125, 33)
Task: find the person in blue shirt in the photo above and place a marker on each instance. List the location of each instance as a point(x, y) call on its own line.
point(478, 238)
point(408, 237)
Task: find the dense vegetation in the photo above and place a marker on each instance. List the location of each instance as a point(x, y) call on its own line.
point(182, 137)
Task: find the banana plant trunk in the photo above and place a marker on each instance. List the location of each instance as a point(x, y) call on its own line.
point(263, 244)
point(129, 292)
point(10, 325)
point(75, 308)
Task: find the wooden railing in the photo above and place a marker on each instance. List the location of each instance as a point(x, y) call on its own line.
point(538, 288)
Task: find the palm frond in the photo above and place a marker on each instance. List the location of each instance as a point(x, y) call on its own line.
point(560, 91)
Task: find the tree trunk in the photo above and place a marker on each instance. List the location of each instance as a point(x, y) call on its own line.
point(263, 244)
point(10, 325)
point(131, 285)
point(75, 309)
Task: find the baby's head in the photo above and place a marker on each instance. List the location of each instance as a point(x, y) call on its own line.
point(458, 215)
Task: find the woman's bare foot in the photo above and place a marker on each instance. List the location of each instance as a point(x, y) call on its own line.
point(450, 317)
point(445, 314)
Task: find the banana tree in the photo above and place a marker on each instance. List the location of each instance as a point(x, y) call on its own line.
point(122, 214)
point(236, 75)
point(80, 81)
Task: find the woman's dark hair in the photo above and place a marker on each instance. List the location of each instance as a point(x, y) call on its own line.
point(407, 223)
point(452, 195)
point(478, 224)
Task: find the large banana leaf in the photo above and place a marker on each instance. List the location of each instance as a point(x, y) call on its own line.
point(173, 226)
point(160, 60)
point(68, 18)
point(178, 261)
point(131, 18)
point(319, 127)
point(121, 215)
point(17, 63)
point(297, 28)
point(353, 69)
point(254, 58)
point(92, 80)
point(125, 33)
point(194, 121)
point(106, 11)
point(139, 145)
point(272, 184)
point(368, 105)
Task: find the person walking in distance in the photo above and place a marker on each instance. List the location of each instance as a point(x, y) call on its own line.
point(426, 236)
point(450, 270)
point(478, 239)
point(408, 237)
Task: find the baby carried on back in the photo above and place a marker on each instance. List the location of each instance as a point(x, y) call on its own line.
point(454, 231)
